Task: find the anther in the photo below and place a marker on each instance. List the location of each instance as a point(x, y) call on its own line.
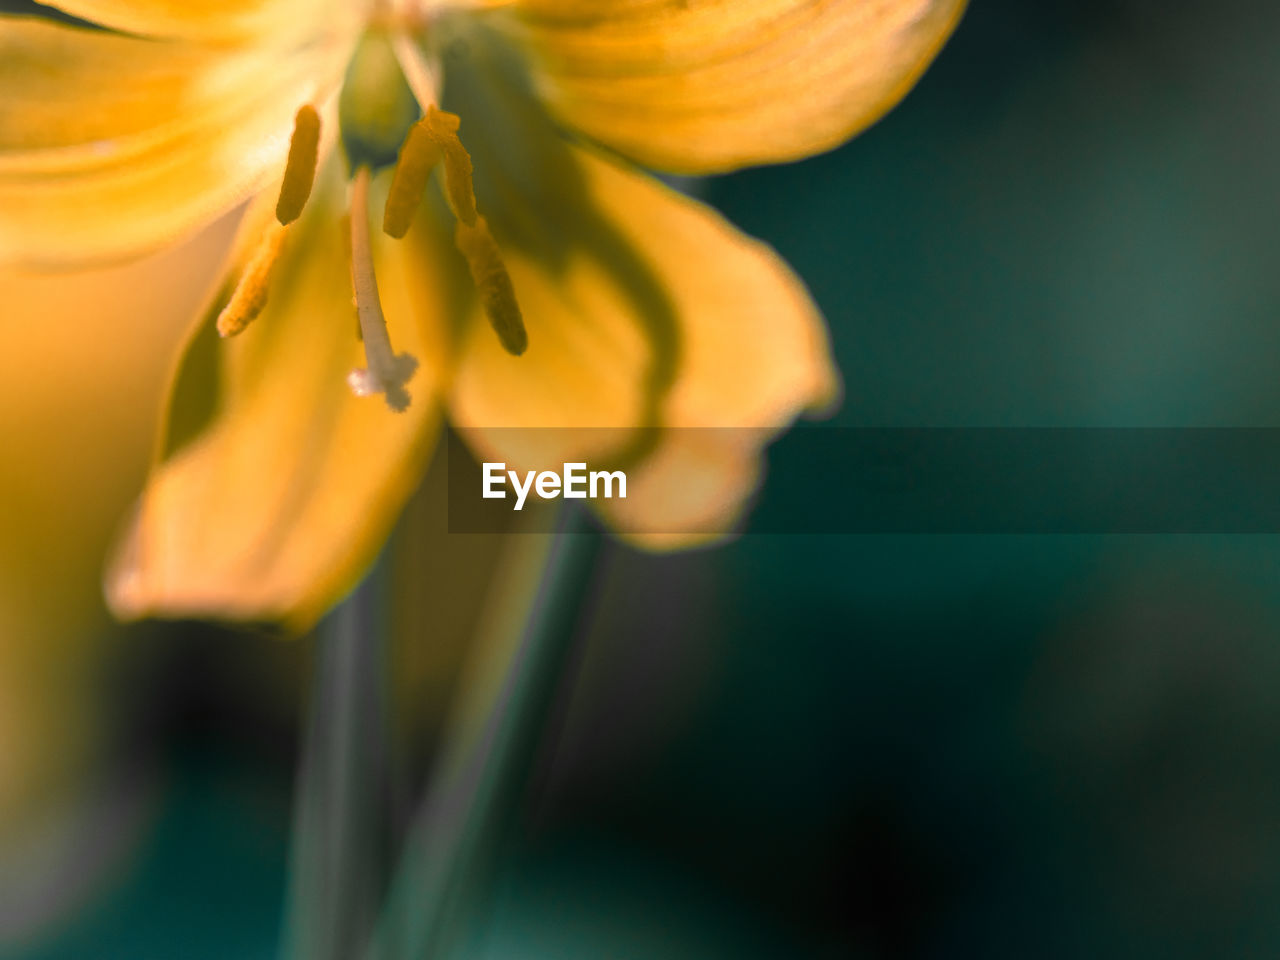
point(300, 169)
point(250, 295)
point(493, 283)
point(443, 128)
point(418, 157)
point(387, 371)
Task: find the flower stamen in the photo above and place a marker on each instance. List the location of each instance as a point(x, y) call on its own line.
point(493, 283)
point(300, 168)
point(250, 295)
point(418, 158)
point(459, 186)
point(430, 140)
point(387, 371)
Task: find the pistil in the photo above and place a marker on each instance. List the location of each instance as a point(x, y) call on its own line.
point(387, 371)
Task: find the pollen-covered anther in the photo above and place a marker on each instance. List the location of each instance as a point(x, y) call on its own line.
point(418, 157)
point(386, 372)
point(443, 128)
point(250, 295)
point(493, 283)
point(300, 168)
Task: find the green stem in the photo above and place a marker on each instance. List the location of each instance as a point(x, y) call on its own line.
point(487, 754)
point(338, 863)
point(342, 823)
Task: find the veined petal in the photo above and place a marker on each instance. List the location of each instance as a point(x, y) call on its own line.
point(209, 19)
point(650, 315)
point(270, 505)
point(701, 86)
point(127, 144)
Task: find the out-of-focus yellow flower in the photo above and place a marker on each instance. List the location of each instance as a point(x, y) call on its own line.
point(615, 301)
point(77, 404)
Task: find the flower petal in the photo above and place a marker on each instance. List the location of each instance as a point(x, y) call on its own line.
point(79, 411)
point(130, 143)
point(648, 315)
point(713, 85)
point(206, 19)
point(270, 506)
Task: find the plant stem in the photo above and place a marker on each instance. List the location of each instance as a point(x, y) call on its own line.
point(488, 750)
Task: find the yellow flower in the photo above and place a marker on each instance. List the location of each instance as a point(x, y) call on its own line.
point(562, 289)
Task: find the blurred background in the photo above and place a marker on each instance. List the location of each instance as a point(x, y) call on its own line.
point(842, 746)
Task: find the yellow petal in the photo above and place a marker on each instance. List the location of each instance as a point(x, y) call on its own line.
point(270, 505)
point(644, 310)
point(208, 19)
point(79, 411)
point(712, 85)
point(130, 143)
